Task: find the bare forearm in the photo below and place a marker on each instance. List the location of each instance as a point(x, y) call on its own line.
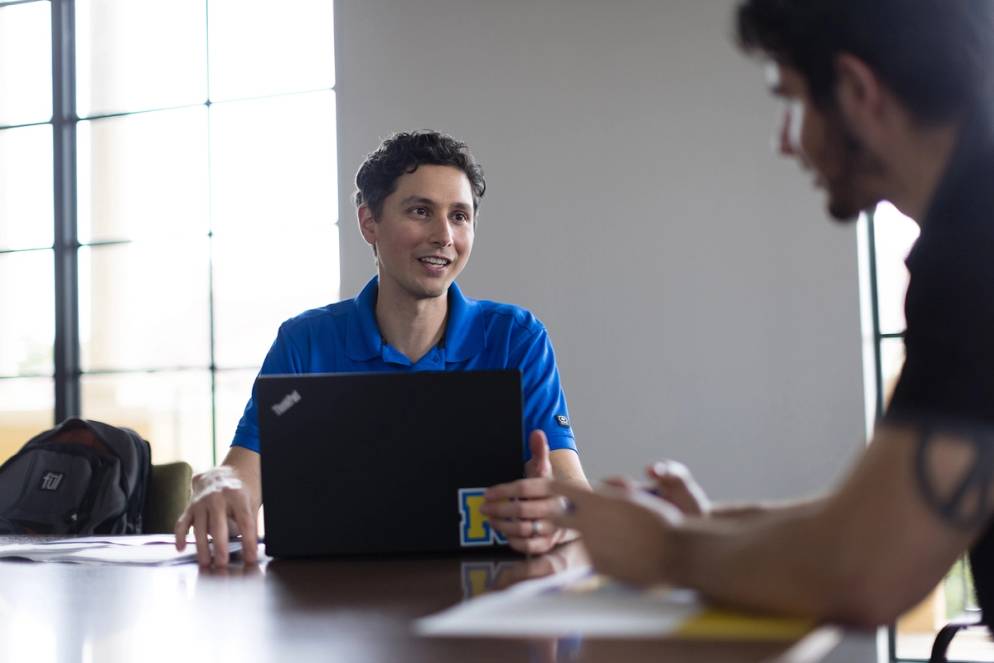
point(566, 467)
point(752, 510)
point(784, 564)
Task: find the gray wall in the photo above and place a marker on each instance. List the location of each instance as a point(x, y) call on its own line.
point(701, 306)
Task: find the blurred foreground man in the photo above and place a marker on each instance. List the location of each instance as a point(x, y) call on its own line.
point(883, 100)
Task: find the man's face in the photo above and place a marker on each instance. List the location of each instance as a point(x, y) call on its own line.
point(424, 234)
point(822, 143)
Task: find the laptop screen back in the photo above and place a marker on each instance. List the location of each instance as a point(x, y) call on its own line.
point(385, 462)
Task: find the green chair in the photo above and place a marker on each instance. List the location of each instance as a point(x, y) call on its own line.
point(166, 496)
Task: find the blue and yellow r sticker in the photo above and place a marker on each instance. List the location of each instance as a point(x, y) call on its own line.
point(474, 527)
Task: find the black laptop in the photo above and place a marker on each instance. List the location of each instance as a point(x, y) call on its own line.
point(374, 463)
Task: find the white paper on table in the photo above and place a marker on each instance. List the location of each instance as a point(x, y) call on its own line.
point(151, 549)
point(155, 555)
point(121, 540)
point(560, 605)
point(37, 550)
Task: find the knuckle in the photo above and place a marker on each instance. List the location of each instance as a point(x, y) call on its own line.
point(532, 510)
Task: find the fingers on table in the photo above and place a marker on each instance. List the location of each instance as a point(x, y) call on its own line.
point(522, 488)
point(200, 527)
point(524, 529)
point(182, 528)
point(530, 509)
point(578, 504)
point(219, 534)
point(209, 517)
point(250, 543)
point(532, 545)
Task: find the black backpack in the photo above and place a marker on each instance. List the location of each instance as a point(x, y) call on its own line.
point(79, 478)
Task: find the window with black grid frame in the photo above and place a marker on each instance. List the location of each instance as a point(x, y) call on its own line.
point(168, 195)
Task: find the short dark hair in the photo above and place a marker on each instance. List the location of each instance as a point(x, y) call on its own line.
point(936, 56)
point(404, 152)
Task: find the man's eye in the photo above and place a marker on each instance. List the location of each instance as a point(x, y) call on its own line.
point(419, 211)
point(460, 217)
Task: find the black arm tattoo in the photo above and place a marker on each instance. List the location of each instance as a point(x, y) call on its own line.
point(969, 504)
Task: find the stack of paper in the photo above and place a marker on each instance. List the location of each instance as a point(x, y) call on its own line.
point(150, 549)
point(576, 602)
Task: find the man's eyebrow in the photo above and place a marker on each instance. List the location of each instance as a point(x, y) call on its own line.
point(420, 200)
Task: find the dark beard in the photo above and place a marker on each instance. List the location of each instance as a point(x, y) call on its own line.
point(844, 200)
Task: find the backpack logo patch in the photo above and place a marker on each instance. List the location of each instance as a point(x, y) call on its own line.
point(51, 480)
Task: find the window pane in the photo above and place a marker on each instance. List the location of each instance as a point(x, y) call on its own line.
point(232, 390)
point(27, 407)
point(26, 187)
point(26, 63)
point(143, 176)
point(260, 47)
point(27, 300)
point(138, 55)
point(300, 272)
point(894, 235)
point(265, 213)
point(892, 361)
point(171, 410)
point(144, 306)
point(273, 164)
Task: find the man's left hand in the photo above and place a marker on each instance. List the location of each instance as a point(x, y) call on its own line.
point(522, 510)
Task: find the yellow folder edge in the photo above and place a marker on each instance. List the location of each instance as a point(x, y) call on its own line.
point(712, 624)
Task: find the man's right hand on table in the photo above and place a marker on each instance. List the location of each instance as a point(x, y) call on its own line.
point(221, 506)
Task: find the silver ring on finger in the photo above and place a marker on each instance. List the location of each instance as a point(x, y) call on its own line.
point(536, 528)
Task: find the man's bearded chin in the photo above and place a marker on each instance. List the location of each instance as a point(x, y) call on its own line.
point(846, 198)
point(845, 210)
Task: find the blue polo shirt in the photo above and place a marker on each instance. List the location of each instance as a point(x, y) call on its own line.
point(479, 335)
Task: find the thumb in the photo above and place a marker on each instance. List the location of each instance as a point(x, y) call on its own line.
point(539, 465)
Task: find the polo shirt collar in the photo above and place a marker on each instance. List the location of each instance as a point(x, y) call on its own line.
point(464, 330)
point(364, 341)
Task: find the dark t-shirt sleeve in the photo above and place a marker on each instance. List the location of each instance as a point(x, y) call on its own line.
point(948, 373)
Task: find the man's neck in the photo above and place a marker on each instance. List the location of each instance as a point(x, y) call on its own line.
point(411, 326)
point(918, 167)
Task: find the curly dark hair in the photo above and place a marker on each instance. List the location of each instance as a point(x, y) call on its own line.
point(935, 55)
point(404, 152)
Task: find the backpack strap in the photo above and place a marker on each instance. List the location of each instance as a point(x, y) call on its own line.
point(136, 464)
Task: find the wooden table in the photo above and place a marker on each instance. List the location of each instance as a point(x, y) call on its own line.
point(295, 611)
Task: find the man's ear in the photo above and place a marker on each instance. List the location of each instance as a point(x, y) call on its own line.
point(859, 94)
point(367, 224)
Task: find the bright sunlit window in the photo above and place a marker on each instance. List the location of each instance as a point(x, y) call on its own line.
point(203, 208)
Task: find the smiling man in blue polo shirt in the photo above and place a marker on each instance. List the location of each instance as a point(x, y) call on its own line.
point(417, 198)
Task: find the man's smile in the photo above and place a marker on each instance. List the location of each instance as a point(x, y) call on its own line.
point(436, 260)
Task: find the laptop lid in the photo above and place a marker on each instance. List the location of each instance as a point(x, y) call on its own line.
point(368, 463)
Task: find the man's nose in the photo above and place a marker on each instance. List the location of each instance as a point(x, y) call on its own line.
point(441, 234)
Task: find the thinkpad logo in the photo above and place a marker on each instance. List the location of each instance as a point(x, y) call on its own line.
point(288, 402)
point(51, 480)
